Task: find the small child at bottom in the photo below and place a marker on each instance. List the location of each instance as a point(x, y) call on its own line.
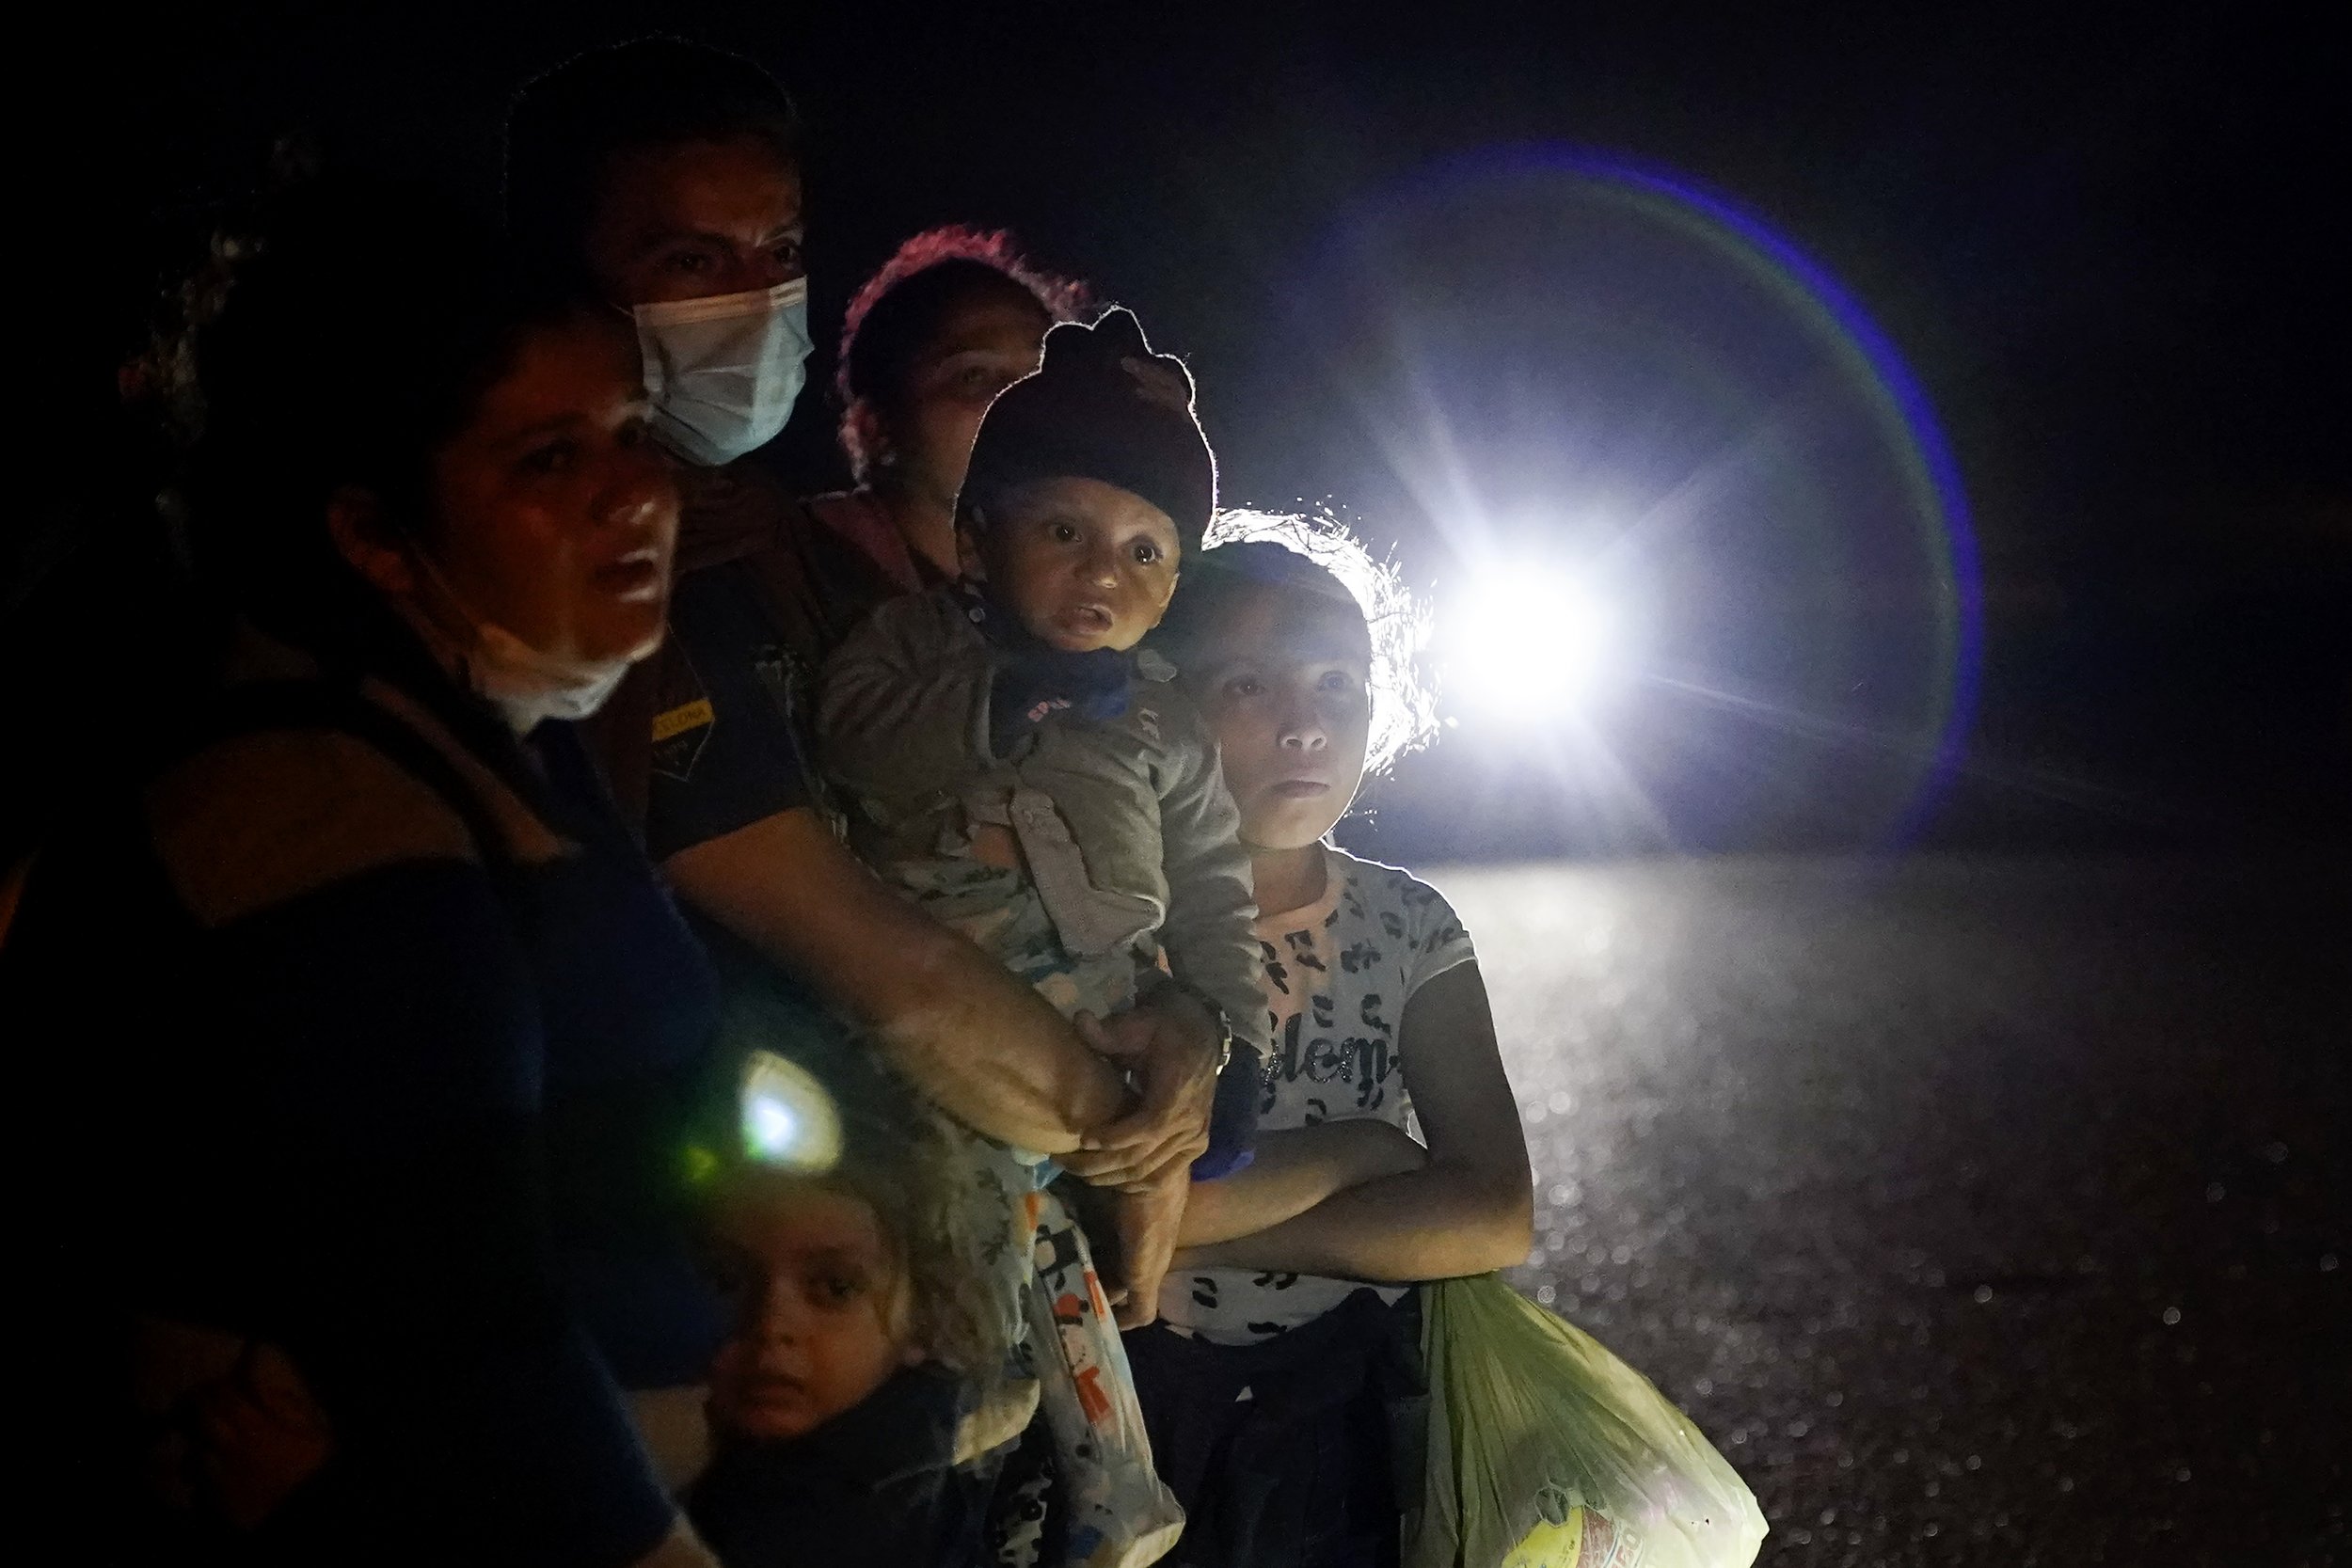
point(842, 1417)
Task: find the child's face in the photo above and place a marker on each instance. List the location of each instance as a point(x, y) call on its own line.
point(1288, 692)
point(822, 1318)
point(1080, 564)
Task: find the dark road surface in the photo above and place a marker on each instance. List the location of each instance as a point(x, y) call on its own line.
point(1980, 1212)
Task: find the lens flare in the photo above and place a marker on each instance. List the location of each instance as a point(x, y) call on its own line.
point(1530, 643)
point(1525, 329)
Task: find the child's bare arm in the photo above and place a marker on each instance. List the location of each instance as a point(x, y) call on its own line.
point(1294, 1171)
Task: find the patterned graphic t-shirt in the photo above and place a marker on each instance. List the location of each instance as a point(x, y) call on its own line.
point(1338, 974)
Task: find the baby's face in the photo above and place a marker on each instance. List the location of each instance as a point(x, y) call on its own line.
point(822, 1310)
point(1080, 564)
point(1287, 689)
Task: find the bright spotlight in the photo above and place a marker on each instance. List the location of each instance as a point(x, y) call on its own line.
point(773, 1125)
point(787, 1117)
point(1529, 641)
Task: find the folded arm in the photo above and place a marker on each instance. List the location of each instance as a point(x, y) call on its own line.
point(1295, 1171)
point(1468, 1209)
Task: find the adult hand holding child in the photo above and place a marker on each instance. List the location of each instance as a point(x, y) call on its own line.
point(1175, 1046)
point(1171, 1046)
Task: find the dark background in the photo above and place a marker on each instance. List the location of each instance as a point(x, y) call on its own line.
point(2103, 239)
point(1981, 1207)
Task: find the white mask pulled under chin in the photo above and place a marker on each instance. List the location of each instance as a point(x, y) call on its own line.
point(522, 680)
point(526, 684)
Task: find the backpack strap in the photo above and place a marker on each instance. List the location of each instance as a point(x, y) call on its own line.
point(260, 707)
point(256, 708)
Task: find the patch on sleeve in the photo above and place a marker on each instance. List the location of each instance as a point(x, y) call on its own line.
point(677, 721)
point(683, 718)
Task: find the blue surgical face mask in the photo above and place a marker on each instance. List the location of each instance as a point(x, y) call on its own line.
point(725, 372)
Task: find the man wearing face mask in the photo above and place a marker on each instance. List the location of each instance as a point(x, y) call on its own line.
point(665, 177)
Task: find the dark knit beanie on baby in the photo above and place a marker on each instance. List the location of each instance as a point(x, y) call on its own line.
point(1104, 406)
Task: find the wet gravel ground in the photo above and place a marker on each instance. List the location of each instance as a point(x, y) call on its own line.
point(1981, 1210)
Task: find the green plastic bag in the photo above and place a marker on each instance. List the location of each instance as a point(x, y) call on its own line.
point(1547, 1452)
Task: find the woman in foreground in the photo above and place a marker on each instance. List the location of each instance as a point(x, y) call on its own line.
point(384, 1028)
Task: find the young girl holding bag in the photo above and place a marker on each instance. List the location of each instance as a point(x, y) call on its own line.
point(1279, 1388)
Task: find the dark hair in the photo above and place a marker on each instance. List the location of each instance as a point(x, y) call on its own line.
point(565, 128)
point(1312, 558)
point(900, 311)
point(901, 1159)
point(339, 341)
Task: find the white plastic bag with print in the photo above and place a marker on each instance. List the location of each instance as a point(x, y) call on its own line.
point(1119, 1513)
point(1547, 1452)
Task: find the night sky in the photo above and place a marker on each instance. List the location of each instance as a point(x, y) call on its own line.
point(2105, 244)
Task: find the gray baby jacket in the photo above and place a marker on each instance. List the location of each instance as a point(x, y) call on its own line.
point(1125, 824)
